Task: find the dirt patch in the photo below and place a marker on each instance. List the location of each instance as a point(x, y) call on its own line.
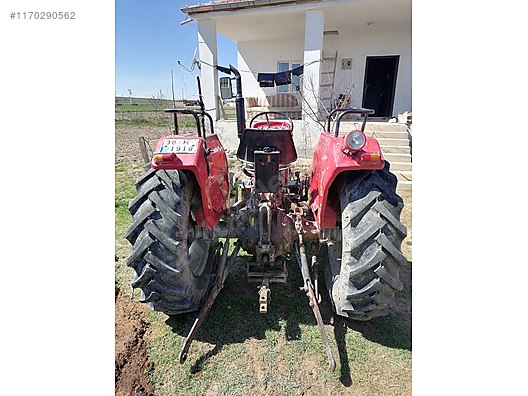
point(132, 366)
point(255, 353)
point(126, 142)
point(312, 378)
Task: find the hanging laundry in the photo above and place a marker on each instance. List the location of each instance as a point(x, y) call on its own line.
point(283, 78)
point(298, 71)
point(266, 79)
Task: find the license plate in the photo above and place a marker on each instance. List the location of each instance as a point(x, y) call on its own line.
point(179, 146)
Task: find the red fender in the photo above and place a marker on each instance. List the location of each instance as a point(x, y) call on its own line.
point(211, 173)
point(329, 161)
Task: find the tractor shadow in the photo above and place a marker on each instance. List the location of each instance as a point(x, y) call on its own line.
point(393, 330)
point(234, 318)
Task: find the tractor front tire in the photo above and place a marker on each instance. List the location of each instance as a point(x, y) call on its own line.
point(172, 256)
point(363, 271)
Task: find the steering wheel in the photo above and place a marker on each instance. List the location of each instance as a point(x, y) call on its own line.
point(283, 124)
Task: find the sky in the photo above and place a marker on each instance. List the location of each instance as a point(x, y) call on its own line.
point(149, 41)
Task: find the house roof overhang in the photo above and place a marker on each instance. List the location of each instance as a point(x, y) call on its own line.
point(237, 5)
point(278, 19)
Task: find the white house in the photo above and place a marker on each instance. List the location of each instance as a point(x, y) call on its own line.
point(372, 40)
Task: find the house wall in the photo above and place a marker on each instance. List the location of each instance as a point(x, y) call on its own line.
point(262, 56)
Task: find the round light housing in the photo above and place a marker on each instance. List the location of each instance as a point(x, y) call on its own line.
point(355, 140)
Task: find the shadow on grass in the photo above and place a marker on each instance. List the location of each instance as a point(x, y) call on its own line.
point(393, 330)
point(234, 318)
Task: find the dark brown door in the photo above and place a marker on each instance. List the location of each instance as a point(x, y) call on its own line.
point(380, 84)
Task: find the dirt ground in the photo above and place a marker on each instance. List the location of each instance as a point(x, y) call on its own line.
point(131, 363)
point(132, 366)
point(126, 142)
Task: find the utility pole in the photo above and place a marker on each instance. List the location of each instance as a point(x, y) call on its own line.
point(172, 85)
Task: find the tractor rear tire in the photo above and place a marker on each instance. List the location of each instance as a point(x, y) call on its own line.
point(363, 271)
point(172, 257)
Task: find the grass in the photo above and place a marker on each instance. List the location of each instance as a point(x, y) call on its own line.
point(144, 122)
point(139, 107)
point(124, 191)
point(153, 118)
point(241, 352)
point(124, 104)
point(145, 113)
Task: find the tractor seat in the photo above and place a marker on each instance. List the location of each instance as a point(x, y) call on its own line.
point(275, 139)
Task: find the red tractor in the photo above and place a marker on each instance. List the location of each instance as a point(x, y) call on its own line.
point(187, 202)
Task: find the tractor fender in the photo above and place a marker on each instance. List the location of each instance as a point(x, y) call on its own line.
point(329, 162)
point(210, 170)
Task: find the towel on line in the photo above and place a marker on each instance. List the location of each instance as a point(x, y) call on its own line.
point(266, 79)
point(298, 71)
point(283, 78)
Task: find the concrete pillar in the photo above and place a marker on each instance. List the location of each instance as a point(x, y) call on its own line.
point(313, 51)
point(208, 57)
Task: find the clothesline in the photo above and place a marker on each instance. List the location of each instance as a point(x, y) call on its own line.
point(267, 80)
point(256, 73)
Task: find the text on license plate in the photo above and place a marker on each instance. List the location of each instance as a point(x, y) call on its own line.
point(182, 146)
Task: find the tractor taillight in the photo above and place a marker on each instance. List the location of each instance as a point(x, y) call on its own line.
point(163, 158)
point(370, 157)
point(355, 140)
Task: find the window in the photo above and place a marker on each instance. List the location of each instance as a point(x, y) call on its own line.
point(296, 80)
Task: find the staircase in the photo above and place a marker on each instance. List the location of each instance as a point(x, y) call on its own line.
point(396, 148)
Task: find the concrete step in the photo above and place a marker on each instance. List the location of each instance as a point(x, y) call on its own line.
point(393, 142)
point(403, 186)
point(403, 175)
point(397, 157)
point(385, 126)
point(373, 126)
point(395, 149)
point(385, 134)
point(400, 166)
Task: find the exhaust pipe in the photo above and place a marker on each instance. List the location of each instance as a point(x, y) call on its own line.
point(239, 103)
point(239, 99)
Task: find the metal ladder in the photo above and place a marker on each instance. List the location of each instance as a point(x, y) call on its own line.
point(326, 92)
